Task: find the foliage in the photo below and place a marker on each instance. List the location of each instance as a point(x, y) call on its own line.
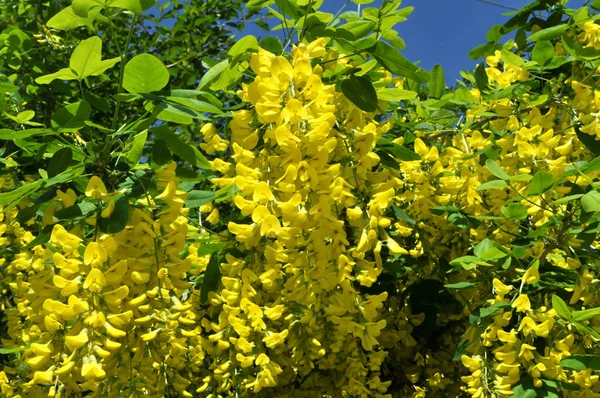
point(350, 227)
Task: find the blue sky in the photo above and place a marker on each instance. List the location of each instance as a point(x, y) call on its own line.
point(440, 31)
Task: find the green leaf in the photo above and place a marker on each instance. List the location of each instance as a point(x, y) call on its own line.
point(586, 330)
point(11, 198)
point(211, 278)
point(42, 237)
point(66, 19)
point(228, 77)
point(255, 5)
point(482, 247)
point(67, 175)
point(493, 254)
point(160, 152)
point(9, 135)
point(581, 362)
point(561, 308)
point(494, 34)
point(24, 116)
point(63, 74)
point(395, 94)
point(402, 215)
point(75, 211)
point(575, 49)
point(209, 248)
point(589, 141)
point(133, 152)
point(481, 78)
point(492, 309)
point(591, 201)
point(226, 193)
point(244, 45)
point(212, 74)
point(193, 104)
point(567, 199)
point(71, 117)
point(198, 198)
point(145, 73)
point(514, 211)
point(496, 170)
point(495, 184)
point(136, 6)
point(272, 44)
point(8, 88)
point(5, 350)
point(521, 177)
point(460, 285)
point(117, 221)
point(360, 91)
point(81, 8)
point(437, 84)
point(468, 262)
point(520, 391)
point(398, 151)
point(60, 161)
point(180, 148)
point(549, 33)
point(542, 52)
point(86, 59)
point(394, 62)
point(541, 182)
point(585, 315)
point(355, 30)
point(482, 50)
point(511, 58)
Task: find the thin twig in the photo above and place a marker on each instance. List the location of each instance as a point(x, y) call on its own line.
point(498, 5)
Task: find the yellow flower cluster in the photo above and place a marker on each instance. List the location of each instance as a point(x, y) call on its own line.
point(521, 338)
point(104, 313)
point(290, 313)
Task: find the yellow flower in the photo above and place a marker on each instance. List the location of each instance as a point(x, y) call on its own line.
point(95, 281)
point(500, 288)
point(95, 254)
point(532, 275)
point(522, 303)
point(95, 188)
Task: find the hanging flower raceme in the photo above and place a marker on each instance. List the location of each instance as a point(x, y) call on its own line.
point(294, 289)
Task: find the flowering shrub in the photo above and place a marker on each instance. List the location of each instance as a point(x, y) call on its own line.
point(353, 228)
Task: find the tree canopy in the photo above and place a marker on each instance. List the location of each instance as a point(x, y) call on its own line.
point(186, 212)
